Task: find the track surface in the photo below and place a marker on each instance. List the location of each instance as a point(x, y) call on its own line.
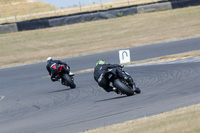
point(30, 103)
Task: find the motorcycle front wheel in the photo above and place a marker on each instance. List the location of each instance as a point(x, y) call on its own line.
point(69, 81)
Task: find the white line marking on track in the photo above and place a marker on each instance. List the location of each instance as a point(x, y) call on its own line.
point(1, 98)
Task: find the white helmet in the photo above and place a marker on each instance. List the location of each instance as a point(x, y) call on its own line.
point(49, 59)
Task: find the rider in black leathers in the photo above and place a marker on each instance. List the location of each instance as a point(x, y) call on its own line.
point(52, 66)
point(99, 71)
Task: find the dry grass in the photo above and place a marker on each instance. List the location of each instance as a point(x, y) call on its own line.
point(167, 58)
point(10, 8)
point(183, 120)
point(120, 3)
point(98, 36)
point(7, 2)
point(34, 10)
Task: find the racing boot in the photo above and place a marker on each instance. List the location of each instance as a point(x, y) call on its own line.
point(54, 79)
point(136, 89)
point(71, 74)
point(117, 91)
point(62, 82)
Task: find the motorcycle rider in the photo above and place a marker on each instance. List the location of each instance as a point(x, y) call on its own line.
point(52, 66)
point(99, 74)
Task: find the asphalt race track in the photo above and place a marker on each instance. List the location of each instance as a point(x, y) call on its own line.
point(30, 103)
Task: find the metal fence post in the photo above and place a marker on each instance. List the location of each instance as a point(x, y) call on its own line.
point(80, 5)
point(15, 14)
point(101, 4)
point(55, 10)
point(90, 4)
point(6, 17)
point(30, 14)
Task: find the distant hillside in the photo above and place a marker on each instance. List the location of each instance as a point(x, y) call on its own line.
point(20, 10)
point(22, 7)
point(3, 2)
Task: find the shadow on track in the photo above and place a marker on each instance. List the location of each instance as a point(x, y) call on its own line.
point(112, 98)
point(61, 90)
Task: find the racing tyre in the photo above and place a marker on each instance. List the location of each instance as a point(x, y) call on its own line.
point(69, 80)
point(137, 90)
point(123, 88)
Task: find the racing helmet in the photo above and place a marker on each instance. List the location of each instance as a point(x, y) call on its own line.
point(49, 59)
point(100, 62)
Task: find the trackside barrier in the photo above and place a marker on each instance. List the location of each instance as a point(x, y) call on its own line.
point(184, 3)
point(7, 28)
point(96, 15)
point(92, 16)
point(154, 7)
point(32, 25)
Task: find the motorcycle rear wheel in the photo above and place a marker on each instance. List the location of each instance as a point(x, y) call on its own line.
point(69, 81)
point(123, 88)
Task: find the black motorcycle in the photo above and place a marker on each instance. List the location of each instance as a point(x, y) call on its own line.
point(67, 80)
point(124, 85)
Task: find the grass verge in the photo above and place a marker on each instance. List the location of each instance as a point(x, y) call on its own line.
point(35, 9)
point(183, 120)
point(12, 8)
point(98, 36)
point(167, 58)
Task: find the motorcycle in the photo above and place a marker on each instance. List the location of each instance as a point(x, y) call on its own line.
point(124, 85)
point(66, 78)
